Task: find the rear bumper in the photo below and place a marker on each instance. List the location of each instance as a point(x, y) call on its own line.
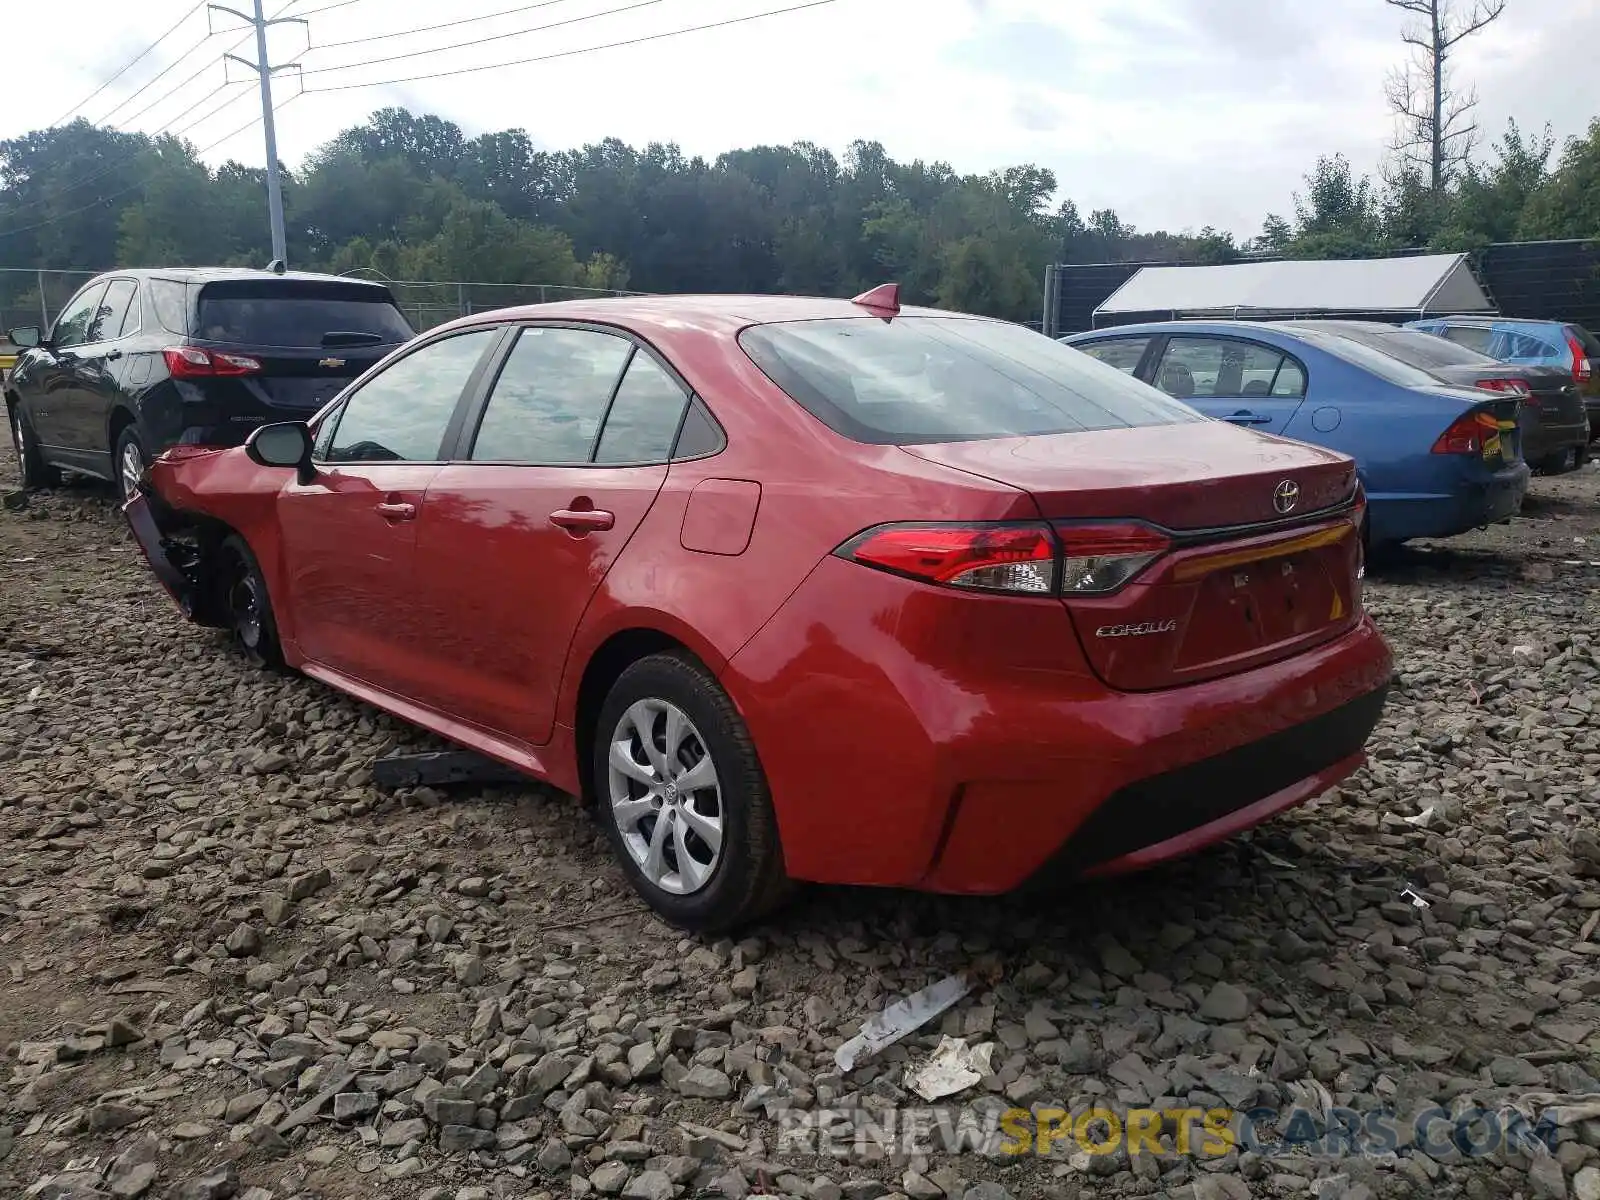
point(1547, 441)
point(1399, 516)
point(912, 740)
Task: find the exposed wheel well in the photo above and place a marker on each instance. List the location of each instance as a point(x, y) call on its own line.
point(615, 655)
point(121, 418)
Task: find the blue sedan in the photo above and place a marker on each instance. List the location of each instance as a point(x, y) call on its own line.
point(1435, 460)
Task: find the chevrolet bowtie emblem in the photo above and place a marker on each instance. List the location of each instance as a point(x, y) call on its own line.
point(331, 363)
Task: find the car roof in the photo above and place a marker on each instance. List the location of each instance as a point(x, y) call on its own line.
point(697, 313)
point(217, 274)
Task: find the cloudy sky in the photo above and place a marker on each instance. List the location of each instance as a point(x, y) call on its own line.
point(1176, 113)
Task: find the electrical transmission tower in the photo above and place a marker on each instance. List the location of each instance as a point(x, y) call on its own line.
point(265, 70)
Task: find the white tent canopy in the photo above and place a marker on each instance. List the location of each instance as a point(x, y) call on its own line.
point(1413, 286)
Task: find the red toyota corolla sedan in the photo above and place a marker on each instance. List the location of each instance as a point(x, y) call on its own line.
point(805, 589)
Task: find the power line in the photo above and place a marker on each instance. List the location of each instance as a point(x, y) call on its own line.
point(138, 58)
point(379, 37)
point(654, 37)
point(133, 187)
point(154, 79)
point(372, 62)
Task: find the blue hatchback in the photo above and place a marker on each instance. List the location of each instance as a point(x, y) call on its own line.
point(1435, 460)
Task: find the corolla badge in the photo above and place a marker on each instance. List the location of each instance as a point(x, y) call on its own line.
point(1144, 630)
point(1286, 496)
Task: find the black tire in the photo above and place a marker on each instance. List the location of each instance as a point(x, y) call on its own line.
point(128, 443)
point(746, 878)
point(36, 473)
point(243, 602)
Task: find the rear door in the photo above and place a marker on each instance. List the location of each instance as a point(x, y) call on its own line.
point(309, 337)
point(1232, 379)
point(349, 536)
point(88, 424)
point(555, 475)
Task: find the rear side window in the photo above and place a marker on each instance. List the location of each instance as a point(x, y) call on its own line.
point(939, 379)
point(1473, 337)
point(401, 414)
point(552, 393)
point(1124, 354)
point(1207, 367)
point(171, 303)
point(1524, 345)
point(112, 311)
point(301, 316)
point(644, 417)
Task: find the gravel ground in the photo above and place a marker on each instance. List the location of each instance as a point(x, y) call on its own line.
point(231, 966)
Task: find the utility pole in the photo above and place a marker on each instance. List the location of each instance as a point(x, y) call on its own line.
point(264, 70)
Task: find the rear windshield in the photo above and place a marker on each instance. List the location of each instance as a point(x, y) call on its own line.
point(1384, 365)
point(916, 380)
point(1417, 349)
point(298, 316)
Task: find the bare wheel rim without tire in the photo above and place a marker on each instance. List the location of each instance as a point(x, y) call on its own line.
point(665, 796)
point(132, 468)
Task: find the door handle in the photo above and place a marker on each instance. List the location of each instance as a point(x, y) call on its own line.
point(113, 355)
point(1245, 417)
point(392, 511)
point(581, 521)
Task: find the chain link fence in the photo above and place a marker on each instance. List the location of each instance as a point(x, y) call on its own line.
point(33, 297)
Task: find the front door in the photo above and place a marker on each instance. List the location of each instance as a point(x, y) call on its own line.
point(62, 379)
point(570, 453)
point(349, 536)
point(87, 423)
point(1242, 382)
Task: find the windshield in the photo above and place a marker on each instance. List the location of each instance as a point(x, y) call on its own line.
point(940, 379)
point(1422, 350)
point(299, 316)
point(1384, 366)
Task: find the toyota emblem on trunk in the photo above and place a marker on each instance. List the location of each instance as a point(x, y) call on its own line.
point(1286, 496)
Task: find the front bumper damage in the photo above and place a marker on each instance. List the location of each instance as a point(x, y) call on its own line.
point(175, 553)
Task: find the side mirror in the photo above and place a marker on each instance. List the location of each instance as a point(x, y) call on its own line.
point(285, 444)
point(26, 336)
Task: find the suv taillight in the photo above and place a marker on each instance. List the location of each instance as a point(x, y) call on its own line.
point(191, 362)
point(1467, 434)
point(1582, 368)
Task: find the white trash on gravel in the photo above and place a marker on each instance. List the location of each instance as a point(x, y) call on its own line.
point(954, 1067)
point(900, 1018)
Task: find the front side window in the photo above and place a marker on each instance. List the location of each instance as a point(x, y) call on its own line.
point(1205, 367)
point(401, 414)
point(552, 394)
point(940, 379)
point(1124, 354)
point(112, 311)
point(72, 326)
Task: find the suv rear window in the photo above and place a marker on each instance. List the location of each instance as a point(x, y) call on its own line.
point(299, 316)
point(917, 380)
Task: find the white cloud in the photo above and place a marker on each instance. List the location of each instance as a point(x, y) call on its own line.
point(1176, 113)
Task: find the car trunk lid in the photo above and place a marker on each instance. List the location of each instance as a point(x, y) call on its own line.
point(1254, 542)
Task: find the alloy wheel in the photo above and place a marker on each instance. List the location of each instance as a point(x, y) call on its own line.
point(665, 796)
point(245, 608)
point(132, 469)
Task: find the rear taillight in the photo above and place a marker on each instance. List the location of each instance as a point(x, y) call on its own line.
point(1100, 558)
point(1520, 388)
point(1018, 559)
point(191, 362)
point(1468, 434)
point(1582, 368)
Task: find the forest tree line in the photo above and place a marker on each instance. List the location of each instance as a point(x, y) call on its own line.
point(413, 197)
